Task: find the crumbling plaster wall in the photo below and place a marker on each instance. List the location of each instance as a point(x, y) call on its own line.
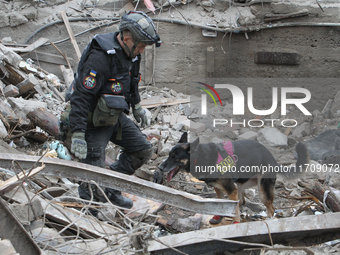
point(182, 59)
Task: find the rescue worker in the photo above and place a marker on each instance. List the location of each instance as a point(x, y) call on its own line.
point(104, 89)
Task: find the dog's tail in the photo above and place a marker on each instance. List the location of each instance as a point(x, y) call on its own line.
point(301, 164)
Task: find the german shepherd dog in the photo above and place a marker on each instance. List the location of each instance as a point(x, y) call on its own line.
point(249, 154)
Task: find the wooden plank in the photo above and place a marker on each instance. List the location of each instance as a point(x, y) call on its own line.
point(67, 74)
point(157, 101)
point(272, 17)
point(48, 57)
point(69, 30)
point(13, 75)
point(41, 41)
point(14, 181)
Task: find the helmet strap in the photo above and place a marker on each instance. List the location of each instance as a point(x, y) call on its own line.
point(127, 48)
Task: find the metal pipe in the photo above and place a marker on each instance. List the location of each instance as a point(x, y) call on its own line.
point(130, 184)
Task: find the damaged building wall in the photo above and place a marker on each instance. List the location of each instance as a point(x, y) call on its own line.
point(186, 55)
point(184, 60)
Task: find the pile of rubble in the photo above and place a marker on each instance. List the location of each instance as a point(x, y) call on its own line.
point(46, 210)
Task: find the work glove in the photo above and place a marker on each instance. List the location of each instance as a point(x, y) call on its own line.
point(79, 145)
point(140, 115)
point(158, 176)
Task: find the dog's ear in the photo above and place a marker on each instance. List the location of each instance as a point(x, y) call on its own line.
point(194, 144)
point(184, 138)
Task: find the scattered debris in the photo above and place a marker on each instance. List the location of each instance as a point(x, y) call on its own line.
point(41, 210)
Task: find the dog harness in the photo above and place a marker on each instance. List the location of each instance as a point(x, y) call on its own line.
point(226, 158)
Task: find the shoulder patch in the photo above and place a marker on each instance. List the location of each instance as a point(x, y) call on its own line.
point(89, 82)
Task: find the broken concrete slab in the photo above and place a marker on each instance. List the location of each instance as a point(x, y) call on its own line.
point(322, 228)
point(327, 141)
point(301, 130)
point(16, 18)
point(272, 137)
point(28, 212)
point(188, 224)
point(9, 56)
point(11, 91)
point(25, 106)
point(196, 127)
point(250, 135)
point(28, 84)
point(12, 230)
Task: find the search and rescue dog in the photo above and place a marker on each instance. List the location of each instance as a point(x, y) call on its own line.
point(232, 159)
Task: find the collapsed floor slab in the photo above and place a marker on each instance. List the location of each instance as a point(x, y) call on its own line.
point(308, 229)
point(130, 184)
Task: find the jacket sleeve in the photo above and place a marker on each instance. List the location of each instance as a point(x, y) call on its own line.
point(88, 82)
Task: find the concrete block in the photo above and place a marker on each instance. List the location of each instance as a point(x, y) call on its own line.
point(250, 135)
point(16, 19)
point(166, 148)
point(197, 127)
point(276, 58)
point(187, 110)
point(11, 91)
point(27, 84)
point(181, 119)
point(301, 130)
point(272, 137)
point(30, 13)
point(166, 119)
point(27, 212)
point(173, 119)
point(186, 124)
point(191, 223)
point(144, 173)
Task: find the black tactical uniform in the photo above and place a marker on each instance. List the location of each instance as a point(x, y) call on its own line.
point(105, 86)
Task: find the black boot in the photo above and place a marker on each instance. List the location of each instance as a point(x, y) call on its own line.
point(117, 198)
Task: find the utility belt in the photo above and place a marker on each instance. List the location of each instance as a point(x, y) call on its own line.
point(107, 112)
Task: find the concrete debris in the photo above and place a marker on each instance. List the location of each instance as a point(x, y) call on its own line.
point(272, 137)
point(47, 206)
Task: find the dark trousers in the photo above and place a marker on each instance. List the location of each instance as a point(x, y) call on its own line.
point(136, 148)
